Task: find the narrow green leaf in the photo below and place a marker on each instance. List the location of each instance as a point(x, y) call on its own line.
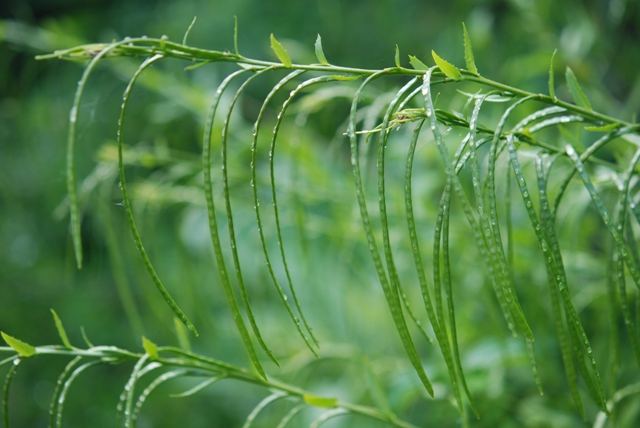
point(417, 64)
point(230, 221)
point(61, 399)
point(150, 348)
point(346, 78)
point(576, 91)
point(324, 402)
point(468, 52)
point(552, 90)
point(142, 398)
point(56, 402)
point(556, 311)
point(213, 226)
point(390, 294)
point(186, 34)
point(397, 58)
point(603, 128)
point(281, 52)
point(199, 387)
point(127, 202)
point(261, 406)
point(85, 337)
point(326, 416)
point(19, 346)
point(290, 415)
point(61, 332)
point(235, 35)
point(319, 52)
point(446, 67)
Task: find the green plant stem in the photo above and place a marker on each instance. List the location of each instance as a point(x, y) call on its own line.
point(144, 47)
point(112, 354)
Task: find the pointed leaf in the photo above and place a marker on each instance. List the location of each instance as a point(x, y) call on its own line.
point(576, 91)
point(446, 67)
point(468, 52)
point(417, 64)
point(319, 52)
point(235, 35)
point(397, 56)
point(552, 91)
point(281, 52)
point(326, 403)
point(150, 348)
point(61, 332)
point(19, 346)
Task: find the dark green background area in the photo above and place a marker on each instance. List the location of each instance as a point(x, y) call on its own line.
point(513, 43)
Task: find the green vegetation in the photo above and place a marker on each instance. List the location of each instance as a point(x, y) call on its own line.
point(407, 244)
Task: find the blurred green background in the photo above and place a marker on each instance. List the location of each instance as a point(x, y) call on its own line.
point(112, 297)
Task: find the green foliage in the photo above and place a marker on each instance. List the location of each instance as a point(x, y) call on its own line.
point(446, 67)
point(319, 52)
point(19, 346)
point(576, 91)
point(468, 52)
point(280, 52)
point(441, 221)
point(61, 331)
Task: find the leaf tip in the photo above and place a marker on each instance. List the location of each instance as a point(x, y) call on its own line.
point(468, 52)
point(19, 346)
point(150, 348)
point(61, 331)
point(446, 67)
point(320, 52)
point(280, 52)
